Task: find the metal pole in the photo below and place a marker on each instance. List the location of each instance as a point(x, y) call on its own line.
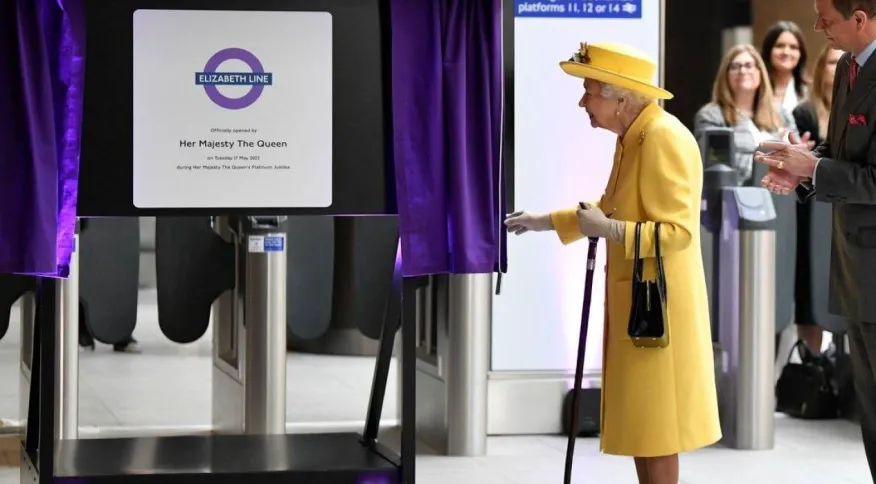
point(755, 397)
point(265, 324)
point(67, 351)
point(470, 298)
point(747, 262)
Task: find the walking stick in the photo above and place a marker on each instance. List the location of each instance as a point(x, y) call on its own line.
point(579, 366)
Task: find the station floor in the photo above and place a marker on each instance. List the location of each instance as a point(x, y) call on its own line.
point(166, 389)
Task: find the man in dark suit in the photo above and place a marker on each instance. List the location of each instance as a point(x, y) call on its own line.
point(842, 171)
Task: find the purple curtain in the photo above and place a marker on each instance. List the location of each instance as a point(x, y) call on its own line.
point(447, 134)
point(41, 75)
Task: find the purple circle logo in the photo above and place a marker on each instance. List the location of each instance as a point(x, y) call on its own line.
point(257, 79)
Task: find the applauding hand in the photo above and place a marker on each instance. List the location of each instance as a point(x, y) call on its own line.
point(781, 178)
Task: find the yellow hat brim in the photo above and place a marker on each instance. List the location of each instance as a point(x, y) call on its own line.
point(584, 71)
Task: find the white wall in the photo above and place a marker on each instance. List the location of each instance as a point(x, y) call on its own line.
point(559, 160)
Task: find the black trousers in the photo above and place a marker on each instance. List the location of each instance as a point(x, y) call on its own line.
point(862, 349)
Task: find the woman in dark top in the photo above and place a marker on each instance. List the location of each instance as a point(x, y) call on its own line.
point(784, 53)
point(811, 117)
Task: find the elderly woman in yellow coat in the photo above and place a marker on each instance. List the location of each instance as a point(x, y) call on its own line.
point(656, 402)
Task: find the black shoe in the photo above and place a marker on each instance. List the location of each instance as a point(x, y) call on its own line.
point(128, 346)
point(86, 341)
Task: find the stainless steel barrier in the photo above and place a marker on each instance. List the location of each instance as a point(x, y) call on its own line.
point(249, 337)
point(454, 315)
point(746, 308)
point(66, 351)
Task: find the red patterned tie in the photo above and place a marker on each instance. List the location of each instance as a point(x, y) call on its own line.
point(853, 72)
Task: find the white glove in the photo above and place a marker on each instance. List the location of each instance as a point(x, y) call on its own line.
point(519, 223)
point(592, 222)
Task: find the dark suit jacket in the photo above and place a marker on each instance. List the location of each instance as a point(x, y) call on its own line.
point(846, 178)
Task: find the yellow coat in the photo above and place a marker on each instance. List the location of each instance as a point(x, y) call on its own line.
point(655, 402)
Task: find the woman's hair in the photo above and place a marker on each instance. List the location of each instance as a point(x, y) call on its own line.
point(766, 52)
point(634, 101)
point(765, 116)
point(819, 97)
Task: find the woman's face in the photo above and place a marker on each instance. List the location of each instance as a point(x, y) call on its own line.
point(785, 53)
point(601, 110)
point(742, 74)
point(833, 56)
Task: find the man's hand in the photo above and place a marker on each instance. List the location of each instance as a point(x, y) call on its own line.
point(801, 140)
point(804, 140)
point(796, 159)
point(780, 181)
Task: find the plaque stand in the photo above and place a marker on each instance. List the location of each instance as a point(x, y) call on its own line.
point(345, 458)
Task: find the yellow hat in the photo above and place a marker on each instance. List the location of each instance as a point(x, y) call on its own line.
point(616, 64)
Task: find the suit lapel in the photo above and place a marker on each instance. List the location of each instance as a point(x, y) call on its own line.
point(864, 83)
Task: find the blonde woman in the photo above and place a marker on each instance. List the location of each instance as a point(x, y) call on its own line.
point(742, 99)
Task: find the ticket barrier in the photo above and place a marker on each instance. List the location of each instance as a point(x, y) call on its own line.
point(361, 254)
point(454, 316)
point(785, 207)
point(718, 153)
point(107, 248)
point(746, 318)
point(249, 380)
point(249, 339)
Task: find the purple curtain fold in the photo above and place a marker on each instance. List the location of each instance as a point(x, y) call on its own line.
point(41, 76)
point(447, 83)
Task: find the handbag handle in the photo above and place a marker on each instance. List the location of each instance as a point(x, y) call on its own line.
point(661, 273)
point(638, 262)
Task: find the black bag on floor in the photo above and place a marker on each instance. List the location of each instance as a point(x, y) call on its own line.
point(805, 390)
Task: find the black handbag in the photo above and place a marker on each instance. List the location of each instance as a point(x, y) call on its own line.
point(649, 320)
point(805, 390)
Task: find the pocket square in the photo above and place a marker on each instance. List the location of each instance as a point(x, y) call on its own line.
point(857, 120)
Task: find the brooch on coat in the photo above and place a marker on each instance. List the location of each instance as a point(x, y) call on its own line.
point(641, 137)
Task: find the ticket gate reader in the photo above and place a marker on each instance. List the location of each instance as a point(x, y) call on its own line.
point(717, 147)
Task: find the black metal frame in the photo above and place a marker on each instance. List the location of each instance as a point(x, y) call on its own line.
point(39, 446)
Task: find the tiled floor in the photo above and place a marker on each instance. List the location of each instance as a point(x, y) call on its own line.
point(168, 387)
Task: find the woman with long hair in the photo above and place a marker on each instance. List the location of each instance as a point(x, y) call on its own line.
point(784, 55)
point(742, 99)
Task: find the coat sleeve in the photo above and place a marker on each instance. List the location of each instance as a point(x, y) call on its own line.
point(565, 222)
point(670, 173)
